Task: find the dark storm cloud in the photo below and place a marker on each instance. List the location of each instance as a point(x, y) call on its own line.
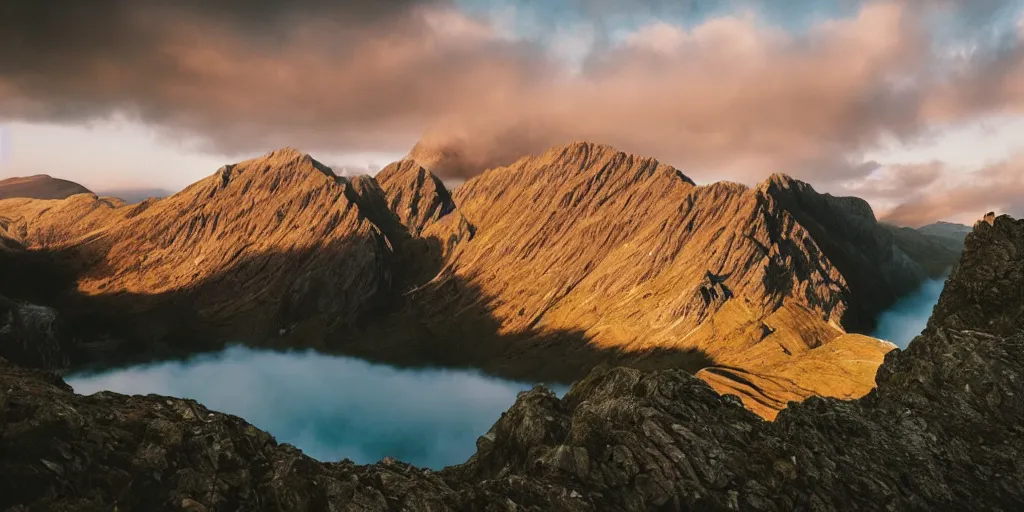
point(70, 58)
point(39, 33)
point(235, 74)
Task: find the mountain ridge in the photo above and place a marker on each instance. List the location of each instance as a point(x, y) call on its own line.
point(575, 256)
point(940, 431)
point(40, 186)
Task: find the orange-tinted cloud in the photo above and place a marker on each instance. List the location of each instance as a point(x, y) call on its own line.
point(897, 182)
point(966, 197)
point(729, 98)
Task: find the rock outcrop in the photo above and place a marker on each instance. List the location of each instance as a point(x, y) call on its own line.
point(32, 336)
point(984, 291)
point(942, 431)
point(540, 270)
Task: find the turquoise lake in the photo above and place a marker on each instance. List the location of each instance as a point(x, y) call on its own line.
point(329, 406)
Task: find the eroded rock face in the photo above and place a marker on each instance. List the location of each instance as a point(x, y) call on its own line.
point(984, 292)
point(633, 256)
point(415, 195)
point(941, 432)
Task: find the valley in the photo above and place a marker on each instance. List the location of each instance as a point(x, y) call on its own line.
point(939, 430)
point(573, 258)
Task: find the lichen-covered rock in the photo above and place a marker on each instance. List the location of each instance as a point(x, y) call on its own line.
point(942, 431)
point(32, 336)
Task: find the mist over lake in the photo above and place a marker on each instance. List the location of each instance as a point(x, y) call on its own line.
point(329, 406)
point(906, 319)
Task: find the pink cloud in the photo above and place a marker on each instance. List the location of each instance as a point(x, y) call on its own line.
point(727, 99)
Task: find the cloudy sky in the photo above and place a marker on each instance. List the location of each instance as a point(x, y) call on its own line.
point(915, 105)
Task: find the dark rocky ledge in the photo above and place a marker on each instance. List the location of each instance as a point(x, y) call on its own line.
point(944, 430)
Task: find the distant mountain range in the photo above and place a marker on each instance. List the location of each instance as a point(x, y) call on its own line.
point(135, 195)
point(579, 256)
point(40, 186)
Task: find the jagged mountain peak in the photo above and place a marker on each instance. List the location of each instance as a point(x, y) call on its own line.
point(407, 169)
point(784, 183)
point(584, 145)
point(582, 169)
point(290, 158)
point(582, 155)
point(984, 292)
point(781, 180)
point(415, 194)
point(280, 172)
point(786, 187)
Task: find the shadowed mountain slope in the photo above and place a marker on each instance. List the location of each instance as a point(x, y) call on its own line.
point(539, 270)
point(950, 230)
point(940, 432)
point(633, 254)
point(934, 246)
point(272, 243)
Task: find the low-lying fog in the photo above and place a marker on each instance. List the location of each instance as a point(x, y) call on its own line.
point(332, 407)
point(908, 317)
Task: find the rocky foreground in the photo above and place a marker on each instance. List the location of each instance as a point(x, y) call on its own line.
point(943, 430)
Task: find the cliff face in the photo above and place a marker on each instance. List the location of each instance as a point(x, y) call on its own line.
point(272, 242)
point(940, 432)
point(983, 292)
point(875, 268)
point(579, 256)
